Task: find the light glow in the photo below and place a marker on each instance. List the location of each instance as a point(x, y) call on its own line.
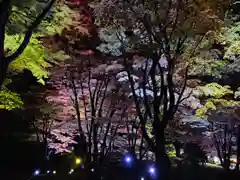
point(71, 171)
point(36, 172)
point(78, 161)
point(128, 159)
point(152, 170)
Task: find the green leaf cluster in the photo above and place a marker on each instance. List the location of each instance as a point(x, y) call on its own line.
point(149, 129)
point(172, 153)
point(35, 57)
point(230, 37)
point(10, 100)
point(215, 94)
point(206, 66)
point(203, 112)
point(213, 104)
point(62, 17)
point(226, 60)
point(23, 14)
point(214, 90)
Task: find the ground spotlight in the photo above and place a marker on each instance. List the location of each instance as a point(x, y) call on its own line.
point(128, 160)
point(78, 161)
point(36, 172)
point(71, 171)
point(152, 171)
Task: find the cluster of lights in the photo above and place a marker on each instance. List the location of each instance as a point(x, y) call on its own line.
point(78, 161)
point(37, 172)
point(128, 159)
point(71, 171)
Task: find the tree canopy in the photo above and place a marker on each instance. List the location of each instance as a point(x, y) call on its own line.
point(35, 57)
point(149, 75)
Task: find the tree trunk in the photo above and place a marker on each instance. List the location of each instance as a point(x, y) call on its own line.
point(76, 103)
point(177, 146)
point(95, 141)
point(162, 159)
point(3, 71)
point(238, 148)
point(4, 13)
point(3, 65)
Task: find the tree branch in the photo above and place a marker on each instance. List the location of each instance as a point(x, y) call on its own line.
point(29, 33)
point(180, 99)
point(138, 108)
point(146, 101)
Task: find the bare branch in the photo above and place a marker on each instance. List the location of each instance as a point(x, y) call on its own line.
point(142, 120)
point(180, 99)
point(176, 19)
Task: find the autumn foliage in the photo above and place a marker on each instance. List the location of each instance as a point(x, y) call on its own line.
point(83, 29)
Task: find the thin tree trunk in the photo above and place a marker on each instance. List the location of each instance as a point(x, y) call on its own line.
point(177, 146)
point(238, 148)
point(76, 102)
point(95, 142)
point(162, 159)
point(226, 158)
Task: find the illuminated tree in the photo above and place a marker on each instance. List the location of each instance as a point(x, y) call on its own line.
point(98, 111)
point(223, 116)
point(39, 55)
point(82, 32)
point(158, 30)
point(6, 9)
